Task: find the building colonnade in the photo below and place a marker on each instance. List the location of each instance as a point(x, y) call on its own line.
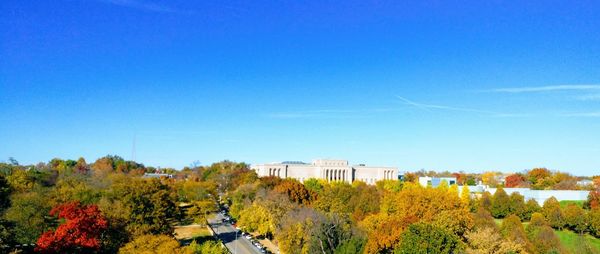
point(337, 174)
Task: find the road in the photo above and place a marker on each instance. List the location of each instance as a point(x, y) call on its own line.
point(227, 234)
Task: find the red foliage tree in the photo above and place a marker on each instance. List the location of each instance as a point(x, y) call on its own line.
point(80, 233)
point(513, 180)
point(461, 178)
point(594, 199)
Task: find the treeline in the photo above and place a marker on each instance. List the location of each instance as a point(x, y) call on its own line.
point(536, 178)
point(67, 206)
point(107, 206)
point(403, 217)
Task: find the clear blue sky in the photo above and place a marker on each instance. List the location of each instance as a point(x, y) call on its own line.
point(442, 85)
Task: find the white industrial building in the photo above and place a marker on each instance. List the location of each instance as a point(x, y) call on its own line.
point(330, 170)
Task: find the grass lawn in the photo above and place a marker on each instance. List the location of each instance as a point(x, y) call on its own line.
point(191, 232)
point(573, 241)
point(564, 203)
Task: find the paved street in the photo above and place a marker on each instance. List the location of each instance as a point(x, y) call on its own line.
point(227, 234)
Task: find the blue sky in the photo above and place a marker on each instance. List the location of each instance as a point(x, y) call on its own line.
point(441, 85)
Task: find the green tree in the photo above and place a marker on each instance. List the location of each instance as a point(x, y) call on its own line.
point(29, 214)
point(314, 185)
point(500, 204)
point(517, 206)
point(427, 238)
point(146, 206)
point(542, 236)
point(351, 246)
point(207, 247)
point(4, 194)
point(531, 206)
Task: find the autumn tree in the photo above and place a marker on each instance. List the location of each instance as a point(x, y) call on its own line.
point(81, 166)
point(207, 247)
point(427, 238)
point(500, 204)
point(540, 178)
point(21, 181)
point(257, 218)
point(199, 211)
point(28, 213)
point(513, 230)
point(389, 185)
point(151, 244)
point(489, 178)
point(465, 196)
point(5, 191)
point(75, 187)
point(593, 199)
point(485, 201)
point(531, 206)
point(575, 218)
point(314, 185)
point(483, 219)
point(6, 234)
point(384, 231)
point(553, 213)
point(305, 230)
point(516, 205)
point(542, 236)
point(335, 198)
point(461, 178)
point(593, 218)
point(365, 201)
point(456, 221)
point(295, 191)
point(514, 180)
point(80, 233)
point(546, 241)
point(411, 177)
point(241, 198)
point(488, 241)
point(145, 206)
point(356, 244)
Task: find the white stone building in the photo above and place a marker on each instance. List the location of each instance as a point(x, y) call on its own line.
point(331, 170)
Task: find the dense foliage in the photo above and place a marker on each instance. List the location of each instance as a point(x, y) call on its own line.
point(108, 206)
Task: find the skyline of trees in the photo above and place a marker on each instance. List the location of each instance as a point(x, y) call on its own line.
point(38, 204)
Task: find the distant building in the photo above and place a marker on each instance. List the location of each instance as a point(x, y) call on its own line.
point(157, 175)
point(330, 170)
point(542, 195)
point(585, 182)
point(436, 181)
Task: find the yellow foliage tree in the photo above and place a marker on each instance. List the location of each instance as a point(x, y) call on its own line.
point(151, 244)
